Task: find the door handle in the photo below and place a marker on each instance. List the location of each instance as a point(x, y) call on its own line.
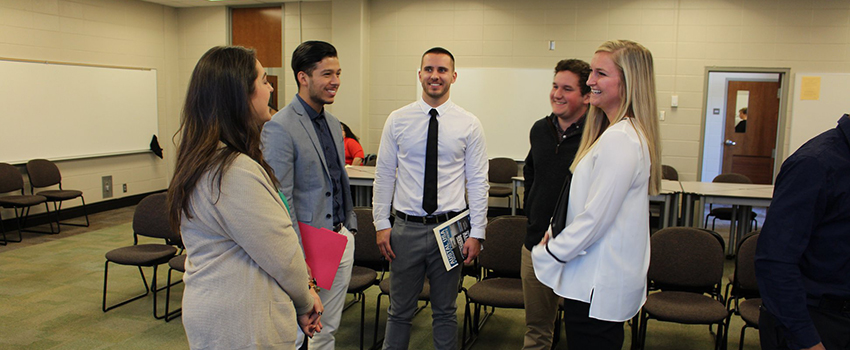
point(730, 143)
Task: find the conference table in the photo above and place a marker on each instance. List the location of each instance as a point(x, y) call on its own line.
point(668, 196)
point(742, 198)
point(361, 179)
point(694, 196)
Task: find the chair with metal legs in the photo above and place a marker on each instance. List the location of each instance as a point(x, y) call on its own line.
point(12, 181)
point(149, 220)
point(44, 173)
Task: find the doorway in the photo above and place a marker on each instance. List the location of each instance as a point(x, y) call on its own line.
point(743, 114)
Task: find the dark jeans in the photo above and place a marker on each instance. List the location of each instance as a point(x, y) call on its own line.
point(584, 332)
point(833, 328)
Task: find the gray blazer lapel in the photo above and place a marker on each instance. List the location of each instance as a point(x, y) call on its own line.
point(305, 121)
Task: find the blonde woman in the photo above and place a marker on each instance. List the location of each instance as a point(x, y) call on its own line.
point(598, 262)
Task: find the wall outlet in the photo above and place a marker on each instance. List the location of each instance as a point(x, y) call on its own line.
point(107, 186)
point(125, 188)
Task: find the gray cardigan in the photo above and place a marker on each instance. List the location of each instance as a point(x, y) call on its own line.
point(246, 278)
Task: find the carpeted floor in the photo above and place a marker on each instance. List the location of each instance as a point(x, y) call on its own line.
point(51, 290)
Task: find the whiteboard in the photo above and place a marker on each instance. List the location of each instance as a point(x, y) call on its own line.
point(507, 101)
point(812, 117)
point(62, 111)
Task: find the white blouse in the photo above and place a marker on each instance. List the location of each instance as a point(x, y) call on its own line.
point(602, 255)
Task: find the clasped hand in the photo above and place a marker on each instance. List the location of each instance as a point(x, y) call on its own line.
point(311, 322)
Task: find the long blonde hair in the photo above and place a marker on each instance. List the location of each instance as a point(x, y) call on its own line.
point(637, 100)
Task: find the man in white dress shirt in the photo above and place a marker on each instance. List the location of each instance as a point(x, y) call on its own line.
point(439, 153)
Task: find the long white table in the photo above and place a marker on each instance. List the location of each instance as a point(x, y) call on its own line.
point(362, 179)
point(742, 197)
point(669, 196)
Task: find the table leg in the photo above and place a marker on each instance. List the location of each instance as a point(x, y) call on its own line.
point(665, 213)
point(513, 197)
point(733, 231)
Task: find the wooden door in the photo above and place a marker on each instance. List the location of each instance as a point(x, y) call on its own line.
point(259, 28)
point(751, 151)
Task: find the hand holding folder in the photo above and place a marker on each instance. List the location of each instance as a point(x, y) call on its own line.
point(323, 251)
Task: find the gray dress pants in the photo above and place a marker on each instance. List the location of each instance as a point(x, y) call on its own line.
point(415, 248)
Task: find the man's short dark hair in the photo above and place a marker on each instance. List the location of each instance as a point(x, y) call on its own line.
point(307, 55)
point(440, 51)
point(579, 68)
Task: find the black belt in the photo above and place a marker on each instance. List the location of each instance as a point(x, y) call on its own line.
point(337, 227)
point(427, 220)
point(831, 304)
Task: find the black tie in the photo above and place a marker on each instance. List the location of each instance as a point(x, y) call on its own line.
point(429, 196)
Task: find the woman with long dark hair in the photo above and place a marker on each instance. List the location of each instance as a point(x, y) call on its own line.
point(246, 278)
point(599, 261)
point(353, 150)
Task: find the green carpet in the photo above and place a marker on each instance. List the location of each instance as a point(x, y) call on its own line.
point(50, 298)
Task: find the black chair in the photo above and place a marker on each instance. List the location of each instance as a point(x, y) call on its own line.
point(669, 173)
point(501, 286)
point(177, 263)
point(370, 159)
point(367, 260)
point(749, 311)
point(685, 273)
point(725, 213)
point(150, 220)
point(44, 173)
point(12, 181)
point(501, 172)
point(743, 287)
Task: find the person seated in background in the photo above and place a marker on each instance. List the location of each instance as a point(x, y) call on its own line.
point(353, 151)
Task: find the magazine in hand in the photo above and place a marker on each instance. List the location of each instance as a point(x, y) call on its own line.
point(451, 235)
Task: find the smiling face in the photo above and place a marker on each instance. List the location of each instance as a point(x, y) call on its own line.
point(568, 104)
point(320, 87)
point(605, 84)
point(437, 74)
point(260, 98)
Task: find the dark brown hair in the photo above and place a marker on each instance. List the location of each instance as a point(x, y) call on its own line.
point(580, 68)
point(217, 111)
point(307, 56)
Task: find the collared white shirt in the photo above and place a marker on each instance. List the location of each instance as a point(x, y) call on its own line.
point(605, 245)
point(462, 164)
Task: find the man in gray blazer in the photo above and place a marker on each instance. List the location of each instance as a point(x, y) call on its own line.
point(303, 144)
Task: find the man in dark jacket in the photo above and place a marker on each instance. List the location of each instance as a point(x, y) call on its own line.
point(554, 142)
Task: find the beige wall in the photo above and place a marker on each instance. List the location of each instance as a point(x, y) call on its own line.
point(302, 21)
point(684, 36)
point(120, 33)
point(380, 42)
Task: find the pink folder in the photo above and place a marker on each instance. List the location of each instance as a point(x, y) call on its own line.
point(323, 250)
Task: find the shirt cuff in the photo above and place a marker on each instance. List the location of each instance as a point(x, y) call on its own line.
point(477, 233)
point(382, 224)
point(805, 338)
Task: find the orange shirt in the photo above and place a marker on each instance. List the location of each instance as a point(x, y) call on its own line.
point(352, 150)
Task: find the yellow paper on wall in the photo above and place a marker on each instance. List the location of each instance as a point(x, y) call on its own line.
point(810, 88)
